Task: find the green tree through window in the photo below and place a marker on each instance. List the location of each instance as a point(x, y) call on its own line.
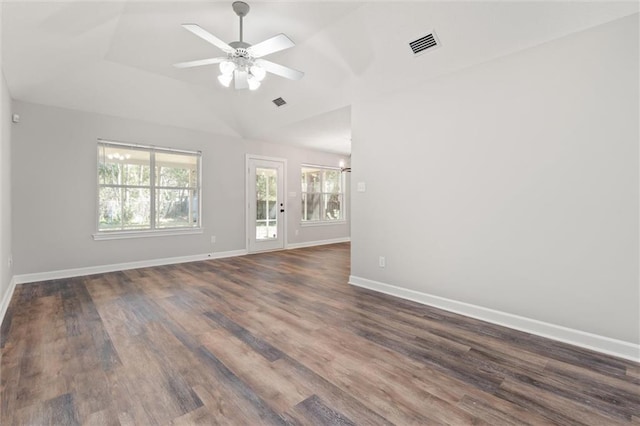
point(322, 194)
point(146, 188)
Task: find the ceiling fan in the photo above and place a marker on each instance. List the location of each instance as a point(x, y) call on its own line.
point(243, 62)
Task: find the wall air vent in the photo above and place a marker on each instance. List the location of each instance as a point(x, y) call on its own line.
point(427, 42)
point(279, 102)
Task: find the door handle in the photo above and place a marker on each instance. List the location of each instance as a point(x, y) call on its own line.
point(281, 210)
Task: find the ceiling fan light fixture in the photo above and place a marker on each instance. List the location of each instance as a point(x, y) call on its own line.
point(258, 72)
point(227, 67)
point(253, 82)
point(225, 79)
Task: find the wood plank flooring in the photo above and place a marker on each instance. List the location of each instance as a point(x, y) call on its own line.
point(281, 338)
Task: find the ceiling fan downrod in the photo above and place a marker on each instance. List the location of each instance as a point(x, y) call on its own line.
point(241, 9)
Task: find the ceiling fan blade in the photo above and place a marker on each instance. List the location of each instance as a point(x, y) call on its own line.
point(200, 62)
point(240, 78)
point(206, 35)
point(274, 44)
point(280, 70)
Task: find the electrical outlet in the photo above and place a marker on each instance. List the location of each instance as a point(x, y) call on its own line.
point(213, 239)
point(297, 232)
point(382, 262)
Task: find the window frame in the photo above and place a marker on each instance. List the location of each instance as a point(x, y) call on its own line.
point(154, 230)
point(343, 206)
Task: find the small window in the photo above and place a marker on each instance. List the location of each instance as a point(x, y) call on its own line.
point(322, 194)
point(142, 188)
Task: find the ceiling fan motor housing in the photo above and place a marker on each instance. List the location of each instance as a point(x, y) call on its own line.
point(240, 55)
point(240, 45)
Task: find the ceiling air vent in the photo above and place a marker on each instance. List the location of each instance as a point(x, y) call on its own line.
point(279, 102)
point(421, 45)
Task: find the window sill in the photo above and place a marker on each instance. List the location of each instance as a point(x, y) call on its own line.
point(119, 235)
point(323, 223)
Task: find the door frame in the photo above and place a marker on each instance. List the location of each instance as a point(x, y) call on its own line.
point(247, 219)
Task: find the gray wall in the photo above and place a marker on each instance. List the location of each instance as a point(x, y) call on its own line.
point(6, 272)
point(54, 190)
point(512, 185)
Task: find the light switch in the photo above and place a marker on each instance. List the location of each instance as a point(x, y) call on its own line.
point(362, 187)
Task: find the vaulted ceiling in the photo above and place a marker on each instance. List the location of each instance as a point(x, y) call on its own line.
point(115, 57)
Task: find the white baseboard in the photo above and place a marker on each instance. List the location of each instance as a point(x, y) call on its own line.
point(100, 269)
point(230, 253)
point(583, 339)
point(78, 272)
point(6, 299)
point(292, 246)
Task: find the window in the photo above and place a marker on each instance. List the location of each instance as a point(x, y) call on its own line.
point(144, 188)
point(322, 195)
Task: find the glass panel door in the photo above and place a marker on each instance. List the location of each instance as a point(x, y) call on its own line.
point(266, 203)
point(266, 209)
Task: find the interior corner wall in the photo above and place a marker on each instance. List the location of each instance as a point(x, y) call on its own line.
point(511, 185)
point(55, 190)
point(6, 269)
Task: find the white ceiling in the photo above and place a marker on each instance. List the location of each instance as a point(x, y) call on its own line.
point(116, 58)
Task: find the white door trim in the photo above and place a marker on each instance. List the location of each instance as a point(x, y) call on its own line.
point(248, 158)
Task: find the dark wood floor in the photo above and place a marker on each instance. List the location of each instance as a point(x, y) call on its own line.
point(282, 338)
